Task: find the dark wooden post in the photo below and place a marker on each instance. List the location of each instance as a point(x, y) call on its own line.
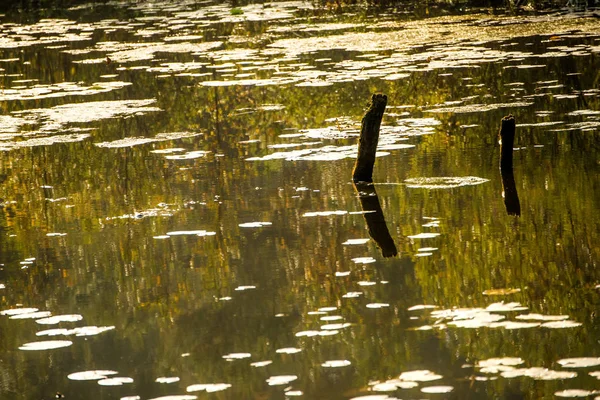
point(369, 136)
point(507, 141)
point(378, 229)
point(509, 188)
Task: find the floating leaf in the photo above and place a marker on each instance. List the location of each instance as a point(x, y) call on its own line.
point(579, 362)
point(46, 345)
point(336, 363)
point(116, 381)
point(437, 389)
point(419, 376)
point(425, 235)
point(259, 364)
point(443, 182)
point(59, 318)
point(237, 356)
point(91, 375)
point(208, 387)
point(500, 292)
point(575, 393)
point(32, 315)
point(255, 224)
point(281, 380)
point(538, 373)
point(561, 324)
point(165, 379)
point(288, 350)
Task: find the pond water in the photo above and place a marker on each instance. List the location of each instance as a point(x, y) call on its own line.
point(178, 219)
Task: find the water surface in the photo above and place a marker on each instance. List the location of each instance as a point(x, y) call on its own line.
point(178, 216)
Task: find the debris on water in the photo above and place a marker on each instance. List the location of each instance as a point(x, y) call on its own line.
point(167, 379)
point(538, 373)
point(342, 273)
point(444, 182)
point(561, 324)
point(91, 375)
point(59, 318)
point(437, 389)
point(377, 305)
point(363, 260)
point(32, 315)
point(236, 356)
point(350, 242)
point(242, 288)
point(136, 141)
point(579, 362)
point(255, 224)
point(324, 213)
point(208, 387)
point(259, 364)
point(45, 345)
point(423, 375)
point(175, 397)
point(281, 380)
point(288, 350)
point(336, 363)
point(424, 235)
point(500, 292)
point(540, 317)
point(197, 233)
point(116, 381)
point(576, 393)
point(505, 307)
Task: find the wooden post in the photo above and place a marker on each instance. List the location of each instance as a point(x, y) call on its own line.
point(369, 136)
point(507, 140)
point(376, 225)
point(509, 188)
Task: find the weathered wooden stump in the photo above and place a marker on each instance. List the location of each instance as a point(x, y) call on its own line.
point(374, 218)
point(509, 188)
point(369, 136)
point(507, 141)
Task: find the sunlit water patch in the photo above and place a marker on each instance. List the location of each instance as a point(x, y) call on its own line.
point(444, 182)
point(136, 141)
point(208, 387)
point(45, 345)
point(91, 375)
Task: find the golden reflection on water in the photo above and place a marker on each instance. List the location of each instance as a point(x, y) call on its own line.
point(188, 206)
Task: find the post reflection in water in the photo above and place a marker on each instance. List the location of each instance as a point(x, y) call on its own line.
point(373, 214)
point(509, 189)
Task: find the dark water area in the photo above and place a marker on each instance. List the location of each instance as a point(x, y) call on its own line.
point(178, 218)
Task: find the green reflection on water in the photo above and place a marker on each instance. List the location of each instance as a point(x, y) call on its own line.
point(176, 301)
